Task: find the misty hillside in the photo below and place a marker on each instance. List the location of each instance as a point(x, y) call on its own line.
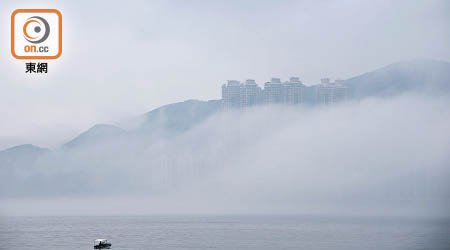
point(178, 117)
point(428, 76)
point(21, 156)
point(360, 153)
point(96, 134)
point(167, 120)
point(423, 76)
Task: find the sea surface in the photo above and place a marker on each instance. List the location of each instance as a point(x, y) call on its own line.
point(224, 232)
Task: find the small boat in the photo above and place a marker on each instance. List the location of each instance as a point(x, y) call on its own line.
point(101, 244)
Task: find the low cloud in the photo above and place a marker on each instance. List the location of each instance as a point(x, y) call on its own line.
point(377, 157)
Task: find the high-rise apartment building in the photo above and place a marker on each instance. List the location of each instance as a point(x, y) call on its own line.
point(330, 93)
point(237, 95)
point(250, 95)
point(273, 91)
point(293, 91)
point(231, 95)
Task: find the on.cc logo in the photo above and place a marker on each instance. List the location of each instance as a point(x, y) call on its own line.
point(40, 30)
point(36, 34)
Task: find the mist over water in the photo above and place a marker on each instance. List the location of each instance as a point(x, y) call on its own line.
point(374, 157)
point(108, 144)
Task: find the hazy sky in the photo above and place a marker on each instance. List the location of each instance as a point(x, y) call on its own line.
point(123, 58)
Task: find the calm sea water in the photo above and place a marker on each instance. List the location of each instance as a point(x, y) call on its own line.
point(223, 232)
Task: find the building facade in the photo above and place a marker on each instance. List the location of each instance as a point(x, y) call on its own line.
point(231, 95)
point(237, 95)
point(331, 93)
point(250, 95)
point(293, 91)
point(273, 91)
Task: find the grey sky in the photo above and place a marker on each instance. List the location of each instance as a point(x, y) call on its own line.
point(123, 58)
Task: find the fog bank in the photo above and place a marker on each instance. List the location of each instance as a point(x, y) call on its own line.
point(375, 157)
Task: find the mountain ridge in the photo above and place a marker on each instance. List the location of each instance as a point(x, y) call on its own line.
point(98, 132)
point(425, 75)
point(21, 155)
point(429, 76)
